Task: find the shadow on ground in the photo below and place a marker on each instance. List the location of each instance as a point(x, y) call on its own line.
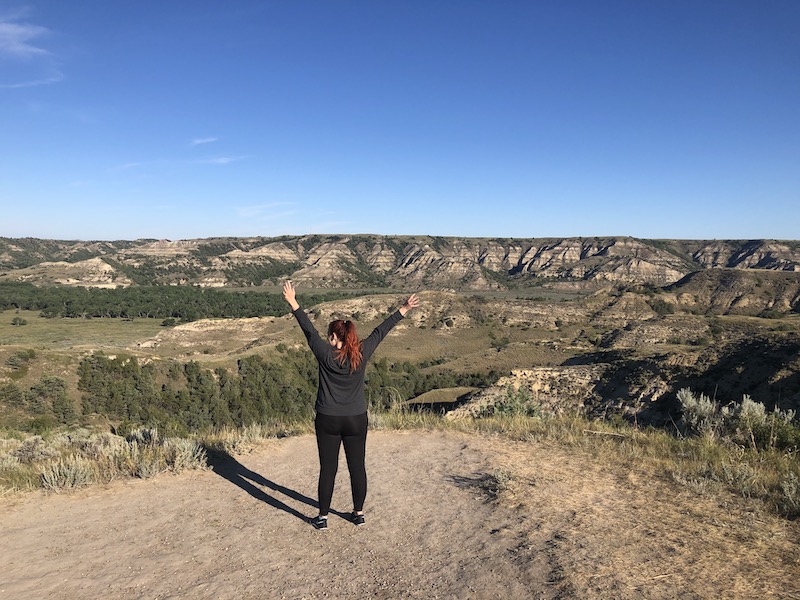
point(227, 467)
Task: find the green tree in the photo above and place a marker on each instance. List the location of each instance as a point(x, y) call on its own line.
point(11, 395)
point(48, 395)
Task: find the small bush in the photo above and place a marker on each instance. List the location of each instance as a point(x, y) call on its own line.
point(515, 402)
point(68, 473)
point(144, 436)
point(20, 358)
point(41, 424)
point(789, 503)
point(34, 450)
point(743, 478)
point(186, 454)
point(8, 462)
point(145, 461)
point(746, 423)
point(771, 313)
point(715, 327)
point(700, 413)
point(661, 307)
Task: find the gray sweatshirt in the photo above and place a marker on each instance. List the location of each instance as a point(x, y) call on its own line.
point(340, 392)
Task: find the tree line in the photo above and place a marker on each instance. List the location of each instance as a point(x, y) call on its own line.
point(186, 303)
point(181, 398)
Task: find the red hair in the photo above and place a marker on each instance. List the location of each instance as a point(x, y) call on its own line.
point(351, 345)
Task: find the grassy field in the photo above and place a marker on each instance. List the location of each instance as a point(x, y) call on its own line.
point(60, 334)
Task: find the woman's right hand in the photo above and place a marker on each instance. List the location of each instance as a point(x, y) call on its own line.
point(290, 294)
point(412, 302)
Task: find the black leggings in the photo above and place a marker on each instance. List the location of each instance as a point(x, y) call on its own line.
point(331, 432)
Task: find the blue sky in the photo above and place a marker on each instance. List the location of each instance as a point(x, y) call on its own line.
point(187, 119)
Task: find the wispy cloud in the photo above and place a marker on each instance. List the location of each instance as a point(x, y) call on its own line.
point(221, 160)
point(167, 162)
point(205, 140)
point(16, 38)
point(127, 166)
point(55, 77)
point(21, 43)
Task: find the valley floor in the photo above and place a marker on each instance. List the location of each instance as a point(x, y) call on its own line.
point(450, 515)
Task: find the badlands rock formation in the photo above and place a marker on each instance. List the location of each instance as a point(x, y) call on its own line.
point(402, 262)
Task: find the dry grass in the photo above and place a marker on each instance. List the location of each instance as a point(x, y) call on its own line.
point(768, 479)
point(709, 509)
point(243, 440)
point(617, 527)
point(65, 461)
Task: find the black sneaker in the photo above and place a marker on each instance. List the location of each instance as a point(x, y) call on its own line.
point(358, 520)
point(319, 522)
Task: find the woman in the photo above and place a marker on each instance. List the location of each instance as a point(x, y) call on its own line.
point(341, 405)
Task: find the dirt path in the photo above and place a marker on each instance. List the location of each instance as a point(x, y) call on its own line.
point(564, 526)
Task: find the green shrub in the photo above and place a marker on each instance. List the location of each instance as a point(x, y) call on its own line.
point(661, 307)
point(771, 313)
point(20, 357)
point(41, 425)
point(11, 395)
point(501, 343)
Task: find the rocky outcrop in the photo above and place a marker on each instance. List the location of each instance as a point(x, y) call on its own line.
point(453, 265)
point(737, 291)
point(163, 248)
point(277, 251)
point(754, 254)
point(552, 389)
point(326, 265)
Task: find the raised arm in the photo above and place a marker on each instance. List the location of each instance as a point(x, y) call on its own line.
point(315, 342)
point(376, 337)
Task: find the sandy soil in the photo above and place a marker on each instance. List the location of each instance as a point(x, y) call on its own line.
point(561, 525)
